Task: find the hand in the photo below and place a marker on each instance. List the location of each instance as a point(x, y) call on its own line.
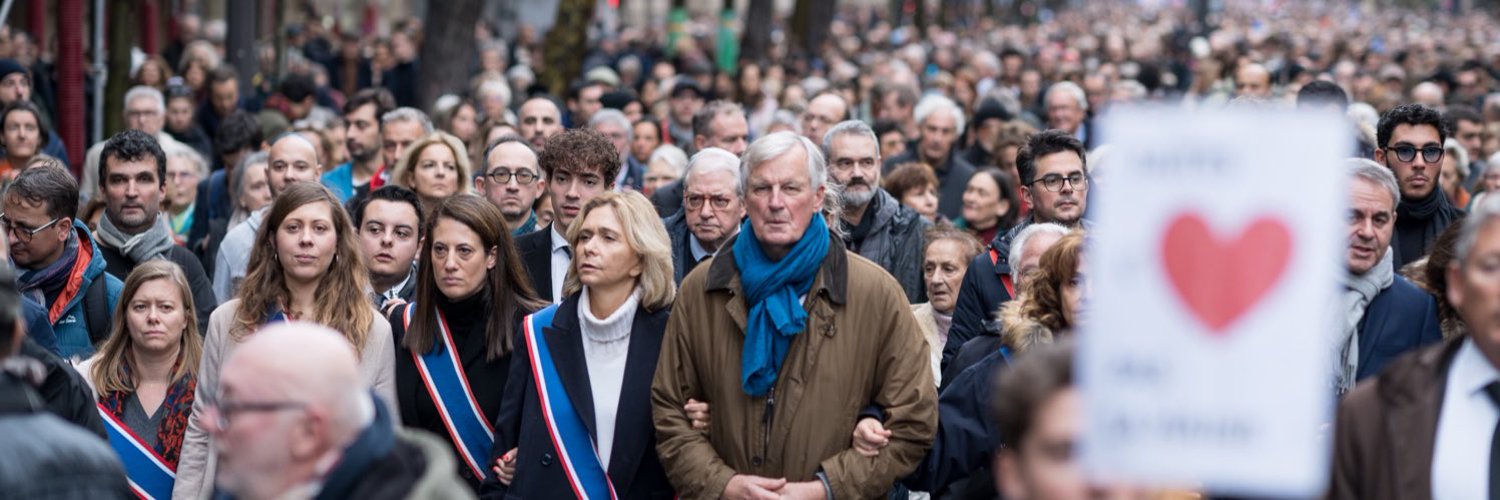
point(870, 437)
point(811, 490)
point(749, 487)
point(505, 467)
point(391, 305)
point(697, 412)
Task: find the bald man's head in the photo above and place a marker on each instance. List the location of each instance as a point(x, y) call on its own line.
point(1252, 80)
point(297, 399)
point(293, 159)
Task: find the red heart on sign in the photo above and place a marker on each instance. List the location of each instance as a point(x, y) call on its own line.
point(1221, 279)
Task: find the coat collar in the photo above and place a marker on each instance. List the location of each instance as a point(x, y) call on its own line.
point(833, 274)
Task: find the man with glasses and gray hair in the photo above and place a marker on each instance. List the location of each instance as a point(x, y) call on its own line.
point(876, 225)
point(511, 178)
point(711, 209)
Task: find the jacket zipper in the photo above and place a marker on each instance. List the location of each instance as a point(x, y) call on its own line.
point(765, 450)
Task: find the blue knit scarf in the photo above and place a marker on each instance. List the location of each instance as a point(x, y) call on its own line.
point(773, 287)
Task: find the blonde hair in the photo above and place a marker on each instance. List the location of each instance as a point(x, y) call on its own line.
point(342, 304)
point(406, 166)
point(645, 234)
point(109, 371)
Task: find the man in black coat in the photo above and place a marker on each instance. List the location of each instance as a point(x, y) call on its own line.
point(1410, 142)
point(579, 164)
point(132, 174)
point(1054, 181)
point(878, 227)
point(940, 122)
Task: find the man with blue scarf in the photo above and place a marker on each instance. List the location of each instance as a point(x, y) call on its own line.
point(789, 335)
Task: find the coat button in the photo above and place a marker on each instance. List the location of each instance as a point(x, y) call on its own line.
point(546, 459)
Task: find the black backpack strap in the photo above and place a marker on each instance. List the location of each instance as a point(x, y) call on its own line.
point(96, 310)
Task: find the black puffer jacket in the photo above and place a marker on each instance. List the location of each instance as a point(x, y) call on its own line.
point(48, 458)
point(896, 243)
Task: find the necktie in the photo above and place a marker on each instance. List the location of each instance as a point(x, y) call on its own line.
point(1493, 391)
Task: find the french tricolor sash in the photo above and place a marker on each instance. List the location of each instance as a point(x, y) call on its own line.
point(580, 460)
point(149, 475)
point(443, 375)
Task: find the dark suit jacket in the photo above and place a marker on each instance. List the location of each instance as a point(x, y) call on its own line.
point(634, 468)
point(1387, 429)
point(668, 199)
point(1400, 319)
point(536, 257)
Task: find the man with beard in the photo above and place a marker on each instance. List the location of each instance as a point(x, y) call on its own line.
point(1410, 139)
point(362, 138)
point(133, 170)
point(939, 124)
point(876, 225)
point(579, 164)
point(1055, 182)
point(711, 212)
point(511, 179)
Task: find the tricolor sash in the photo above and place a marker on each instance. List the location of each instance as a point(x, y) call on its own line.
point(149, 474)
point(443, 374)
point(579, 457)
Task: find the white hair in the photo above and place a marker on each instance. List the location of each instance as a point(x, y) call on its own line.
point(1367, 170)
point(612, 116)
point(495, 87)
point(932, 103)
point(140, 91)
point(850, 127)
point(1486, 210)
point(407, 114)
point(773, 146)
point(711, 160)
point(675, 157)
point(1071, 88)
point(179, 150)
point(1018, 244)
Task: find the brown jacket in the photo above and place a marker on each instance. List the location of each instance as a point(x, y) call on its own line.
point(862, 346)
point(1387, 426)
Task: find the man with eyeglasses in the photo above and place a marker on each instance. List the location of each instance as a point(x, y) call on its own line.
point(711, 209)
point(57, 259)
point(940, 122)
point(1055, 182)
point(1409, 141)
point(876, 225)
point(290, 418)
point(579, 164)
point(511, 179)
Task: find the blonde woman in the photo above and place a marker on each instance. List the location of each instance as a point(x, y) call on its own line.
point(591, 359)
point(307, 267)
point(435, 167)
point(145, 375)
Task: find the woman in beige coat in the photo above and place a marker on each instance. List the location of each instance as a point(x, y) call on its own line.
point(307, 267)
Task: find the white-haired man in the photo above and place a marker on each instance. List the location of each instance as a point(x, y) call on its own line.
point(824, 334)
point(711, 209)
point(1068, 111)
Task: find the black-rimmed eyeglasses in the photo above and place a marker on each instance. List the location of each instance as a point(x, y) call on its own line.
point(502, 176)
point(1431, 153)
point(1054, 182)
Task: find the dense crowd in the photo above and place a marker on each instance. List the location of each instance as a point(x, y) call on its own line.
point(849, 274)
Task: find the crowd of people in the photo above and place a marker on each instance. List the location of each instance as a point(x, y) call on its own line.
point(853, 274)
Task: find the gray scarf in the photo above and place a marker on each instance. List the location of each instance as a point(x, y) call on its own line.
point(149, 244)
point(1358, 293)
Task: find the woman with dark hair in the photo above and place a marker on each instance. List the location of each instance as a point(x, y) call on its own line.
point(453, 357)
point(990, 204)
point(23, 134)
point(145, 375)
point(308, 266)
point(582, 375)
point(917, 187)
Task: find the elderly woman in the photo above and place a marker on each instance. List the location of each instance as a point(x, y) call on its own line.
point(307, 267)
point(185, 168)
point(473, 293)
point(667, 164)
point(583, 369)
point(145, 375)
point(435, 167)
point(947, 257)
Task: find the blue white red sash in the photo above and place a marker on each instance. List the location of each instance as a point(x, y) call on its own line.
point(149, 475)
point(443, 374)
point(580, 459)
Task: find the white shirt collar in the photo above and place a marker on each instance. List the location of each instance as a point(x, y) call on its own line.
point(1471, 371)
point(558, 241)
point(395, 291)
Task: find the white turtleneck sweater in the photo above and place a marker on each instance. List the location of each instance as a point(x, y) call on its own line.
point(606, 344)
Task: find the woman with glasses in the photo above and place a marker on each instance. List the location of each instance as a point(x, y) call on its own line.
point(581, 377)
point(453, 359)
point(990, 204)
point(307, 267)
point(144, 376)
point(435, 167)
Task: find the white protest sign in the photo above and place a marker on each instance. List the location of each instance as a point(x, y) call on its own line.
point(1216, 265)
